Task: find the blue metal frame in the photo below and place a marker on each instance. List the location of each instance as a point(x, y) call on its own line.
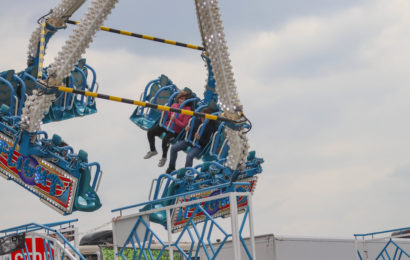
point(196, 233)
point(179, 195)
point(210, 94)
point(32, 227)
point(37, 143)
point(63, 157)
point(384, 252)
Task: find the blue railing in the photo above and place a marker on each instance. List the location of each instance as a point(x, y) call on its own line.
point(181, 195)
point(384, 253)
point(31, 227)
point(199, 236)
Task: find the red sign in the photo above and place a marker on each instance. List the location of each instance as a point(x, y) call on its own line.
point(53, 185)
point(214, 208)
point(37, 250)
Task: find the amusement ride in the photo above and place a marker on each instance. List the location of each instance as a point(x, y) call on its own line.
point(65, 180)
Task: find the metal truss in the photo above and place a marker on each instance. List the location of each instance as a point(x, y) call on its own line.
point(147, 242)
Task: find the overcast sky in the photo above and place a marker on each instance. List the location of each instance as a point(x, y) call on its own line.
point(325, 84)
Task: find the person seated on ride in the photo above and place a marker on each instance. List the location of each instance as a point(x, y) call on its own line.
point(194, 150)
point(179, 123)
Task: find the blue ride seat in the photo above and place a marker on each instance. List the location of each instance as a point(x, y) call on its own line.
point(12, 91)
point(29, 76)
point(193, 102)
point(68, 105)
point(60, 148)
point(86, 198)
point(160, 216)
point(203, 176)
point(62, 106)
point(157, 93)
point(5, 91)
point(84, 105)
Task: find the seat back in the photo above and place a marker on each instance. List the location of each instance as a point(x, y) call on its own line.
point(12, 91)
point(219, 146)
point(146, 118)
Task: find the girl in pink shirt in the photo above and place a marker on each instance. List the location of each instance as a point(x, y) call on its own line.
point(179, 121)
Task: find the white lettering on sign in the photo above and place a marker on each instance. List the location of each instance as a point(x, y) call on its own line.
point(37, 250)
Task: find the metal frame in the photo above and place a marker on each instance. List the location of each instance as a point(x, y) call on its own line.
point(382, 236)
point(49, 233)
point(199, 233)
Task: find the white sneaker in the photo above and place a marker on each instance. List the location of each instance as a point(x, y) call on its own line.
point(150, 154)
point(162, 162)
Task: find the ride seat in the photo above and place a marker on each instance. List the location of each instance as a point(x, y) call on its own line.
point(147, 118)
point(86, 198)
point(219, 146)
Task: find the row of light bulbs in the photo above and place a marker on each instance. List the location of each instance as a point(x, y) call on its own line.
point(33, 111)
point(79, 41)
point(213, 37)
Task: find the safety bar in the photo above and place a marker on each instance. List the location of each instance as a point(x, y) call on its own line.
point(84, 85)
point(143, 98)
point(91, 100)
point(164, 114)
point(191, 121)
point(94, 80)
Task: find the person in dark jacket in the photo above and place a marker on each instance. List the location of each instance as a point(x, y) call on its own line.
point(203, 140)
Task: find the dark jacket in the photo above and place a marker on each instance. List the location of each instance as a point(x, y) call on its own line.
point(210, 128)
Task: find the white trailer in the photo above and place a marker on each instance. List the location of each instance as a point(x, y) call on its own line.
point(271, 247)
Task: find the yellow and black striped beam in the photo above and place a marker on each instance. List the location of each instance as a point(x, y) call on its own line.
point(146, 37)
point(144, 104)
point(41, 49)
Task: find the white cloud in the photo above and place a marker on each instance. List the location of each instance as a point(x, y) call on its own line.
point(328, 95)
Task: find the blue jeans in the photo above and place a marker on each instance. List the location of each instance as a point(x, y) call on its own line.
point(180, 146)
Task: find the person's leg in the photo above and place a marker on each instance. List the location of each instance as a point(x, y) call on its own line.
point(181, 145)
point(156, 131)
point(165, 146)
point(165, 143)
point(194, 151)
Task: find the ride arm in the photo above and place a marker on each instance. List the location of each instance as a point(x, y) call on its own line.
point(55, 21)
point(66, 59)
point(66, 13)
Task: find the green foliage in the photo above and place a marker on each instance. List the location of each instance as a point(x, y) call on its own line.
point(108, 254)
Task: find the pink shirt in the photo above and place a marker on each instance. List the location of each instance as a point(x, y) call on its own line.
point(180, 121)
